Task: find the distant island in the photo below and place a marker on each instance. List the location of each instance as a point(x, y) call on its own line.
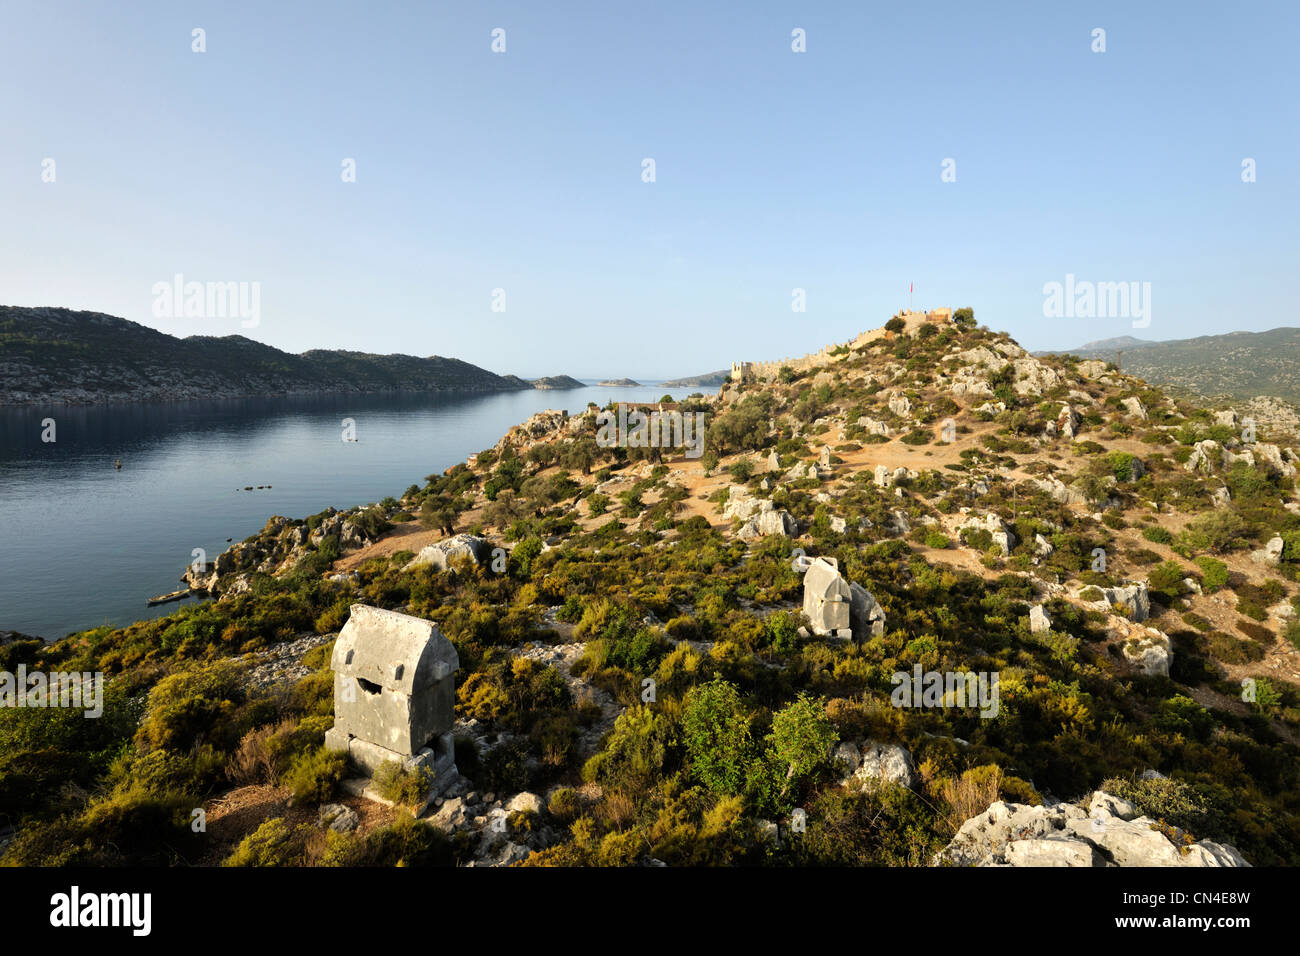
point(707, 379)
point(556, 381)
point(68, 357)
point(619, 383)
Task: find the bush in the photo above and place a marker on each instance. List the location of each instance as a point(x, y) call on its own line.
point(1157, 534)
point(271, 844)
point(314, 776)
point(1214, 573)
point(407, 787)
point(197, 705)
point(715, 730)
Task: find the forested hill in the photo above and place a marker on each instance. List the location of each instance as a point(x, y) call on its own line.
point(50, 355)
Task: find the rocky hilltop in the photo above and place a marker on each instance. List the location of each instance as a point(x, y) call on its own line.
point(60, 356)
point(697, 661)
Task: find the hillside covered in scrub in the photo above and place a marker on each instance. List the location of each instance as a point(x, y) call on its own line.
point(61, 356)
point(634, 685)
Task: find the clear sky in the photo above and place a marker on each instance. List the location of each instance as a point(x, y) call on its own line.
point(774, 170)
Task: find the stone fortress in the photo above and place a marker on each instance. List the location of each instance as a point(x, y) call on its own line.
point(828, 355)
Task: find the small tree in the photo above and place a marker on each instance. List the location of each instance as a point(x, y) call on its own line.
point(895, 325)
point(715, 729)
point(802, 738)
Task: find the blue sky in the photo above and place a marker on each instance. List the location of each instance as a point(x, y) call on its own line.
point(775, 170)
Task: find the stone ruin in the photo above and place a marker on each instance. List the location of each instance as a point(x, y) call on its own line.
point(394, 694)
point(836, 608)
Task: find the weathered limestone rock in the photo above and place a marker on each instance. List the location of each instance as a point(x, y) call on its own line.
point(888, 762)
point(1276, 459)
point(741, 504)
point(875, 427)
point(1002, 535)
point(1271, 553)
point(1135, 408)
point(1038, 620)
point(1042, 547)
point(1067, 422)
point(1132, 600)
point(441, 553)
point(866, 615)
point(767, 523)
point(1060, 491)
point(1109, 833)
point(1034, 377)
point(900, 405)
point(1051, 852)
point(847, 757)
point(524, 802)
point(337, 817)
point(1150, 652)
point(394, 692)
point(1203, 455)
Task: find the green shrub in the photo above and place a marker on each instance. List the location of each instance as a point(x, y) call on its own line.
point(408, 787)
point(1214, 573)
point(314, 776)
point(271, 844)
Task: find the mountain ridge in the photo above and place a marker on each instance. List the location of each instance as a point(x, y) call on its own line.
point(1238, 365)
point(51, 355)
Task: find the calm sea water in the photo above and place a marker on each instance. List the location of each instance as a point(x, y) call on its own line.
point(83, 544)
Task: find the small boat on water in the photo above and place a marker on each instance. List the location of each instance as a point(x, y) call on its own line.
point(118, 464)
point(180, 595)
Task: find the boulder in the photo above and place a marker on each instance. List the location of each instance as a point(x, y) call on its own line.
point(875, 427)
point(900, 405)
point(1271, 553)
point(1039, 622)
point(337, 817)
point(1149, 652)
point(461, 546)
point(1132, 600)
point(1109, 833)
point(769, 523)
point(866, 615)
point(888, 762)
point(1135, 408)
point(524, 802)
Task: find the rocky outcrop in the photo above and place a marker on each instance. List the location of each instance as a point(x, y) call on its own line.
point(1001, 534)
point(871, 762)
point(460, 547)
point(1149, 651)
point(1110, 832)
point(875, 427)
point(1132, 600)
point(771, 521)
point(1134, 407)
point(1271, 553)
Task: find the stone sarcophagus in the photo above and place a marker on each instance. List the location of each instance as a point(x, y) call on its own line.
point(394, 692)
